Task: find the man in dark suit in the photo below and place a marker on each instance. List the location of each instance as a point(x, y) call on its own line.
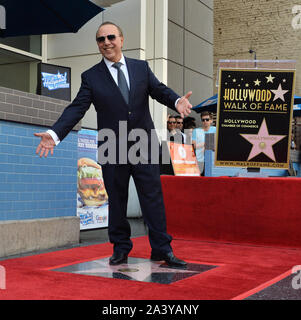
point(119, 88)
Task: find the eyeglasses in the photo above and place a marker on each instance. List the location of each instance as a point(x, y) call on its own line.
point(205, 119)
point(179, 122)
point(110, 37)
point(171, 122)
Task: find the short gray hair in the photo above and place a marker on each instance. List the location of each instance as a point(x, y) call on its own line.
point(113, 24)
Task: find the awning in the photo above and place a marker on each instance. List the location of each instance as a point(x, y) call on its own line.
point(34, 17)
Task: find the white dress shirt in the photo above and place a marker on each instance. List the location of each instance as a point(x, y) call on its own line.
point(114, 71)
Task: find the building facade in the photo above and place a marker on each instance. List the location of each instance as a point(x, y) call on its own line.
point(271, 29)
point(38, 196)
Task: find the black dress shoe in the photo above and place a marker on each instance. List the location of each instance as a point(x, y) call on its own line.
point(118, 258)
point(170, 259)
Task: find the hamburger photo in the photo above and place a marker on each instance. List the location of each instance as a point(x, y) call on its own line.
point(90, 183)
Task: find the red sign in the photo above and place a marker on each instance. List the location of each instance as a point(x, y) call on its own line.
point(183, 159)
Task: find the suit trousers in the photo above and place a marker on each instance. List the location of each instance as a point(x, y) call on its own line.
point(148, 185)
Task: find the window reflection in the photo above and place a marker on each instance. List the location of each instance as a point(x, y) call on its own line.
point(18, 72)
point(30, 44)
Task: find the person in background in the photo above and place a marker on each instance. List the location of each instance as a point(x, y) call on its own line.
point(188, 133)
point(173, 134)
point(188, 122)
point(188, 126)
point(179, 127)
point(198, 137)
point(171, 124)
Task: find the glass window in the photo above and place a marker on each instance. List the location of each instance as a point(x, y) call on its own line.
point(32, 44)
point(18, 71)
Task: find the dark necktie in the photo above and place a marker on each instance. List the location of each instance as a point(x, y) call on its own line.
point(122, 84)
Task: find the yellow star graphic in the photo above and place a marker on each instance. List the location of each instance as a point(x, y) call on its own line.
point(270, 78)
point(257, 82)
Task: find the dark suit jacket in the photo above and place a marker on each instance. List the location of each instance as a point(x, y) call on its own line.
point(98, 87)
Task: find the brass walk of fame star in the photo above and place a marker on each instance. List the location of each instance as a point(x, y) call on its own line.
point(262, 142)
point(136, 271)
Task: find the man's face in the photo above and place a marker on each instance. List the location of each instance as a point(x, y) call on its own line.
point(110, 49)
point(171, 124)
point(179, 123)
point(206, 122)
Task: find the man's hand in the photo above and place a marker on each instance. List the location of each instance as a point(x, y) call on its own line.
point(46, 144)
point(183, 106)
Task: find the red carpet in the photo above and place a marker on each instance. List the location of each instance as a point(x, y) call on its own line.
point(213, 220)
point(260, 211)
point(240, 269)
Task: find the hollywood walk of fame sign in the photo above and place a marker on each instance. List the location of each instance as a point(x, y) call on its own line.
point(254, 118)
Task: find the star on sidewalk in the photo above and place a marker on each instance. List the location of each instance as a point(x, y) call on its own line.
point(279, 93)
point(262, 142)
point(135, 271)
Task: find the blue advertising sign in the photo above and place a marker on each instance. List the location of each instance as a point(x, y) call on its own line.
point(54, 81)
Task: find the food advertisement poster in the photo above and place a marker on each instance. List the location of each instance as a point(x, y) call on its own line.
point(92, 198)
point(183, 159)
point(254, 118)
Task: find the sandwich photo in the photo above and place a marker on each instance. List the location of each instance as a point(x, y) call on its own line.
point(90, 183)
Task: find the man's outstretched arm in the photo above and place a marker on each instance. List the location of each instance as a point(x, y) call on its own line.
point(69, 118)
